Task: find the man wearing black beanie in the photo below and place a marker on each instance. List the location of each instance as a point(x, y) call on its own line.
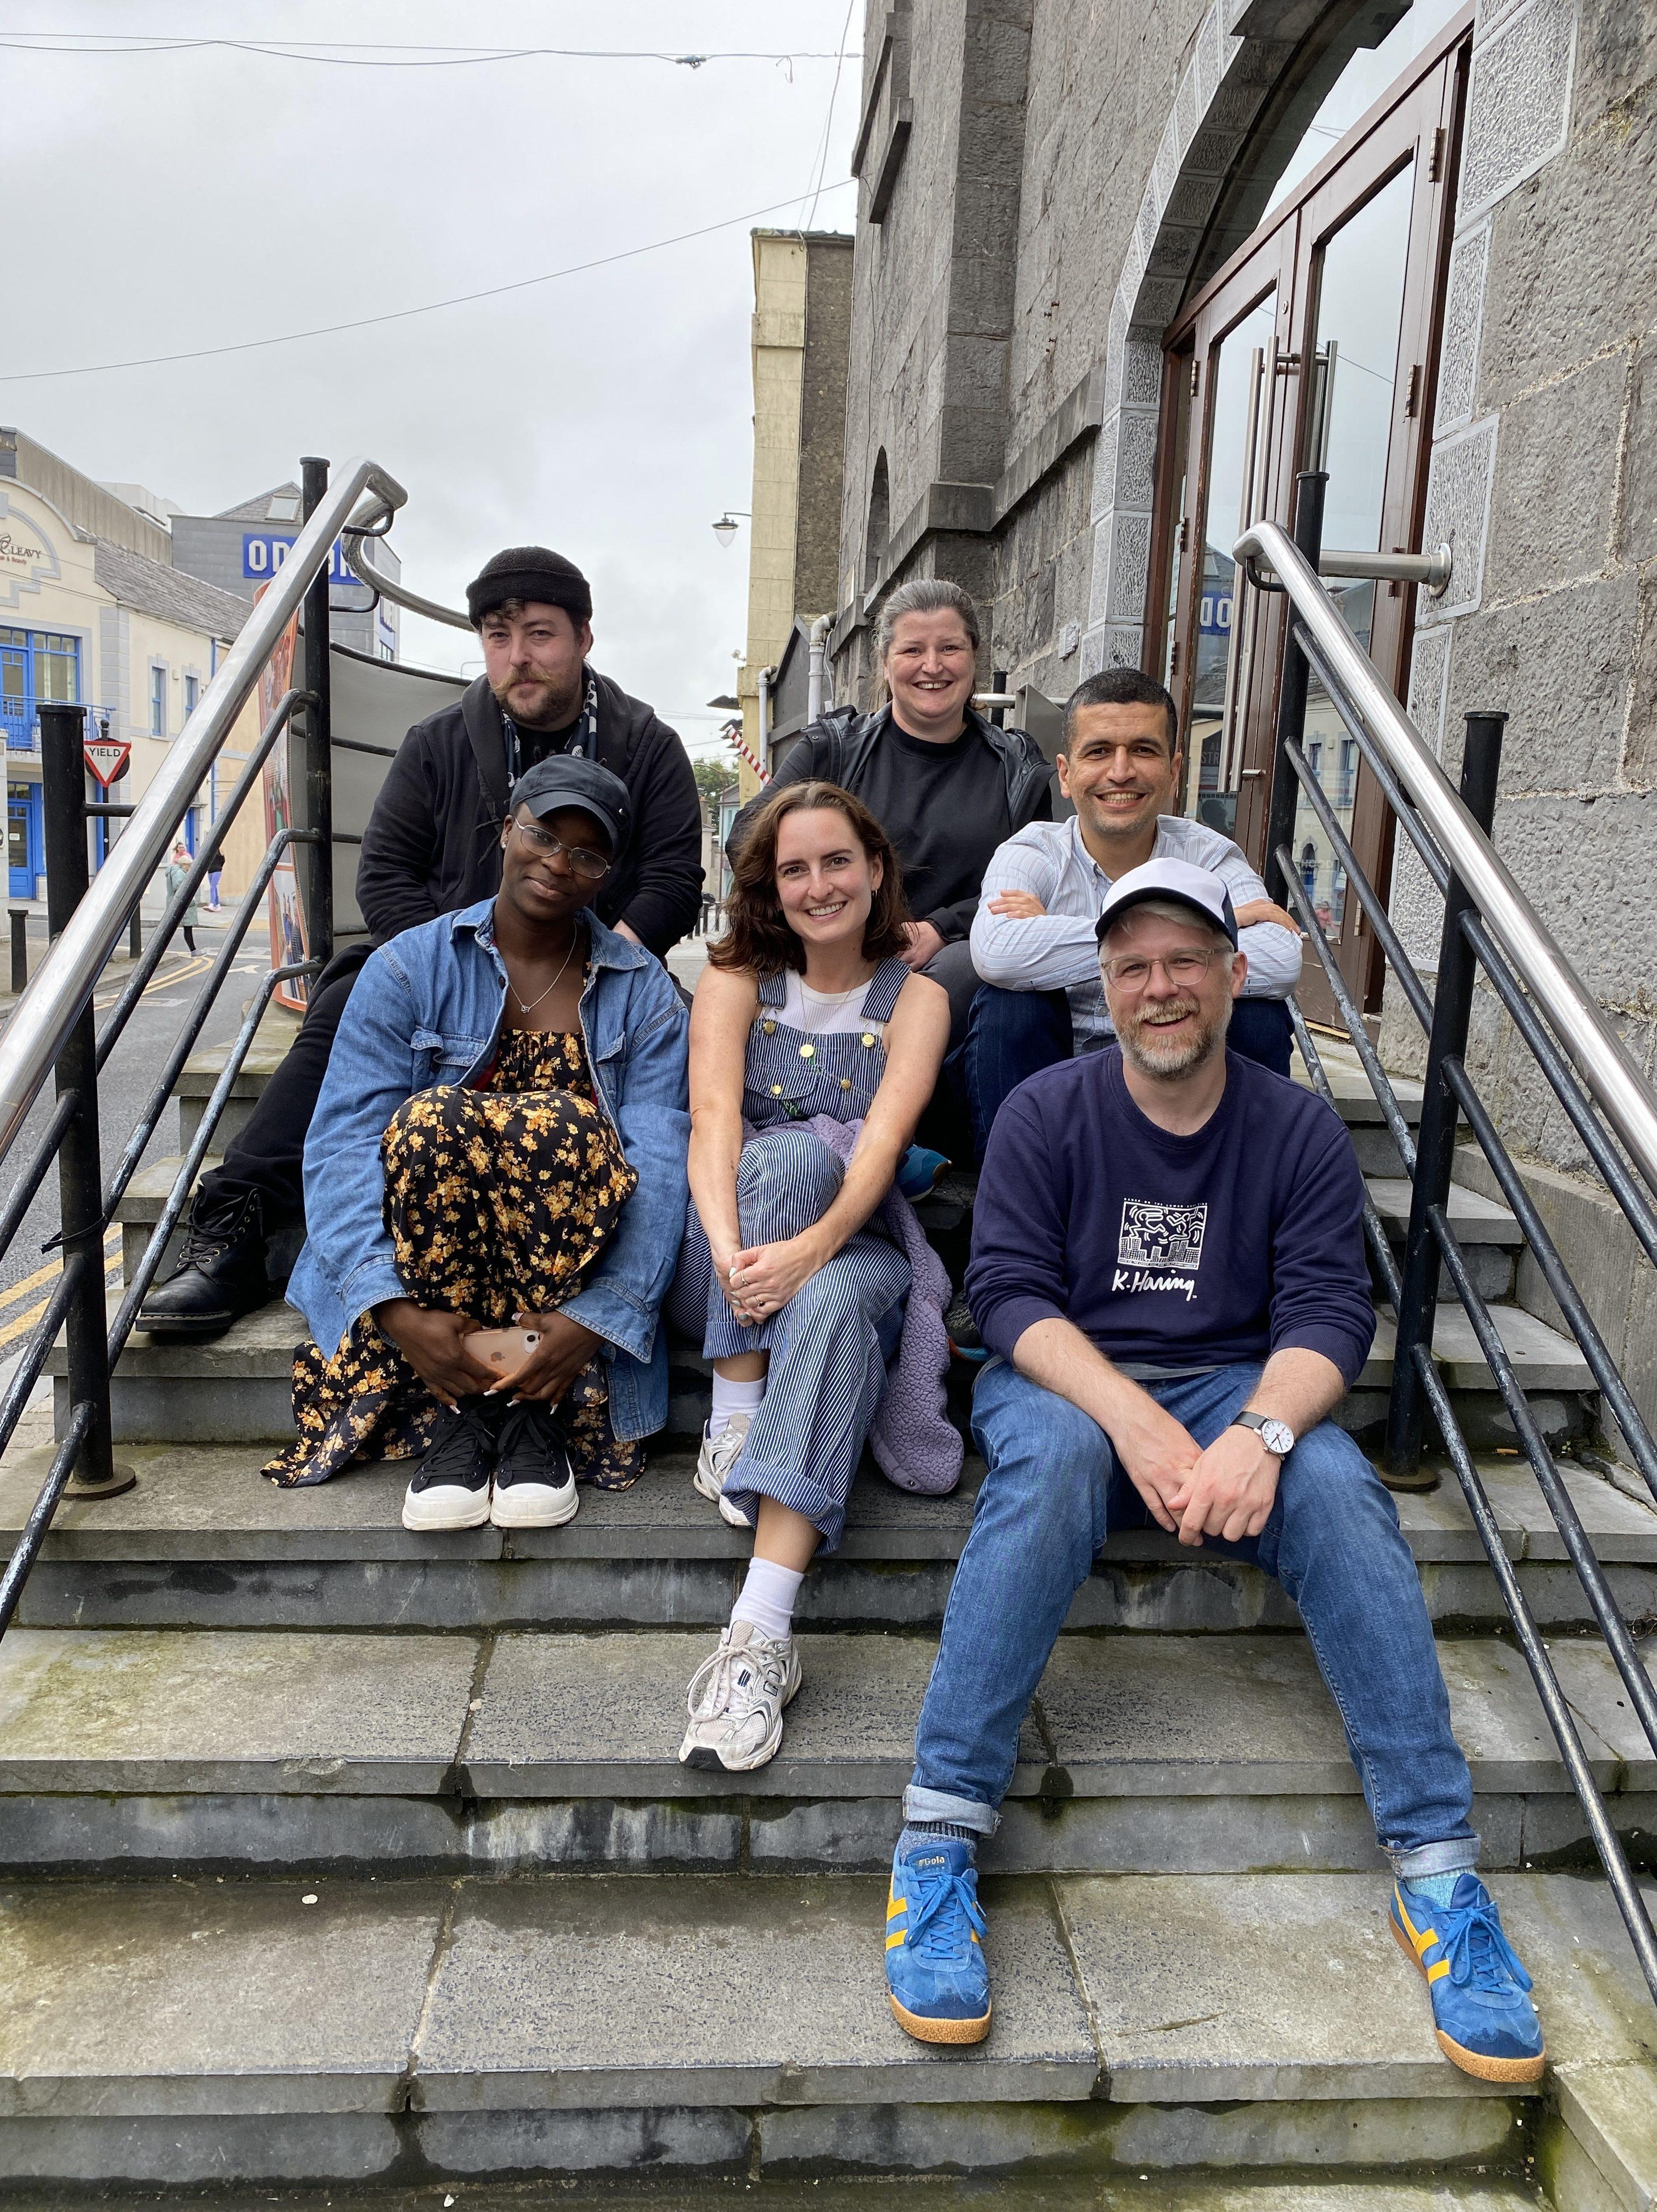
point(433, 846)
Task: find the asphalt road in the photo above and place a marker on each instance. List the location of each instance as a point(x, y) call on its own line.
point(26, 1272)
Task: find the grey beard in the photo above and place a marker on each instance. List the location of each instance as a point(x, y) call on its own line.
point(1170, 1068)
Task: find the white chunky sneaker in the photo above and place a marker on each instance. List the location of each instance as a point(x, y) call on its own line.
point(718, 1455)
point(736, 1701)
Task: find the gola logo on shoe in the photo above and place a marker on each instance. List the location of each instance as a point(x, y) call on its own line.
point(925, 1866)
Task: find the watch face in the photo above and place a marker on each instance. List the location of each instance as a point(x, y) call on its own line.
point(1278, 1437)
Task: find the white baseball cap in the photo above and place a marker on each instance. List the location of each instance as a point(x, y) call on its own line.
point(1176, 880)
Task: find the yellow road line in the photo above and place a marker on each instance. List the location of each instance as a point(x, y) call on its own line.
point(47, 1273)
point(26, 1322)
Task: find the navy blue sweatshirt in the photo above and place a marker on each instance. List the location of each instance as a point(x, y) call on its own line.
point(1173, 1253)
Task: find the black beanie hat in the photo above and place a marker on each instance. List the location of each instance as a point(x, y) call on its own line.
point(529, 572)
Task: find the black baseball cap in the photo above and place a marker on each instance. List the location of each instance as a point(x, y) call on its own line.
point(566, 780)
point(1177, 881)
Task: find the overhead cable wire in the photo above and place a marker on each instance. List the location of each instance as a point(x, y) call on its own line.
point(822, 161)
point(364, 53)
point(402, 314)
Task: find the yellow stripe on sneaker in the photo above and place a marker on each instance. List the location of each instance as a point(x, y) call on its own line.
point(1436, 1974)
point(901, 1936)
point(1422, 1938)
point(901, 1906)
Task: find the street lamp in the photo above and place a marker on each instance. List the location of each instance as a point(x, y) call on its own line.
point(726, 528)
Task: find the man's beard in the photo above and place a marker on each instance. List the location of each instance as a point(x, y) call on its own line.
point(553, 708)
point(1165, 1058)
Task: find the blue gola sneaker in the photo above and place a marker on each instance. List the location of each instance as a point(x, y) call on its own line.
point(1482, 2012)
point(936, 1974)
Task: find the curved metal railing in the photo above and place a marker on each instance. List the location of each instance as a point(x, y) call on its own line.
point(1489, 927)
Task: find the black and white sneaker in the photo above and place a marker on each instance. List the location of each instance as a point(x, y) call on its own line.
point(534, 1487)
point(451, 1488)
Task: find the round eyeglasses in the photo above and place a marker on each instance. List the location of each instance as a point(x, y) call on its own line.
point(593, 866)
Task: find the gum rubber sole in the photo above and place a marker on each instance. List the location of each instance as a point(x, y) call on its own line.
point(1476, 2062)
point(938, 2031)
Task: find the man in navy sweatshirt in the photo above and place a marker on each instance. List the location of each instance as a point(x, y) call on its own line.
point(1167, 1262)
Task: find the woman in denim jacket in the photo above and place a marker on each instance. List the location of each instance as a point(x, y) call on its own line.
point(499, 1144)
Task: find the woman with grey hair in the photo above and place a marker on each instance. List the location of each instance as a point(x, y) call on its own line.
point(946, 786)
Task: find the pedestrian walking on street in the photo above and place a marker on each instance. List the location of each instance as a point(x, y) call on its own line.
point(213, 875)
point(178, 869)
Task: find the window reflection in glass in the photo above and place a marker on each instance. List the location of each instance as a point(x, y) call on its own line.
point(1349, 427)
point(1216, 637)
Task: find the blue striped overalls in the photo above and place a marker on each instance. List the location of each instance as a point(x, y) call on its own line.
point(827, 1356)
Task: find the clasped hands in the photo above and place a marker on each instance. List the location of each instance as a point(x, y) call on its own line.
point(1226, 1491)
point(435, 1345)
point(760, 1281)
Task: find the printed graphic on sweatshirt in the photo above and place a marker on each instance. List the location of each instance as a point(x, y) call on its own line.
point(1160, 1246)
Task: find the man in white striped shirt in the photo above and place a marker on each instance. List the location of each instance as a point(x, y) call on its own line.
point(1033, 942)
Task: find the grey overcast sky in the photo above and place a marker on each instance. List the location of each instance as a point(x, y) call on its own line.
point(161, 201)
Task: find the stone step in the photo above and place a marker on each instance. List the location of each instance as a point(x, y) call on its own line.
point(203, 1542)
point(238, 1388)
point(143, 1750)
point(308, 2029)
point(201, 1070)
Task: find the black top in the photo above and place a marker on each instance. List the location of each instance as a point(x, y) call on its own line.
point(432, 843)
point(944, 807)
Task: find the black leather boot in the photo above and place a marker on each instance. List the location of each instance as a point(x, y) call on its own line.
point(220, 1273)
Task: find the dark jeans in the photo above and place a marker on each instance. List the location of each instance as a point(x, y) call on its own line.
point(1013, 1034)
point(267, 1156)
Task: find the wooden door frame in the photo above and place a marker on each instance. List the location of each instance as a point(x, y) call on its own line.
point(1415, 123)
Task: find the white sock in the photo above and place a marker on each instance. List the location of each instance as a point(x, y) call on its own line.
point(767, 1598)
point(730, 1398)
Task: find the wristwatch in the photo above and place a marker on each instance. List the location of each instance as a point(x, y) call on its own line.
point(1277, 1436)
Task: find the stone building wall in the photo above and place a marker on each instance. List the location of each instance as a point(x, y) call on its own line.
point(1545, 465)
point(1128, 119)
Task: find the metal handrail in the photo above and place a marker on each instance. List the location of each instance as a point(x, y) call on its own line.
point(48, 1009)
point(357, 560)
point(1577, 1018)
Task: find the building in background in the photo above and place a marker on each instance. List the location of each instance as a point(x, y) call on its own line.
point(92, 612)
point(1123, 273)
point(802, 323)
point(243, 546)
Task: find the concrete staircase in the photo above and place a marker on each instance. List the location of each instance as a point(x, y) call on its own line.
point(339, 1857)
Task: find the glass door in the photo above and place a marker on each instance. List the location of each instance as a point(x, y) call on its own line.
point(1313, 348)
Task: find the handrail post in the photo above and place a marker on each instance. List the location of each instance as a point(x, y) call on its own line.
point(80, 1171)
point(1311, 485)
point(319, 731)
point(1453, 1005)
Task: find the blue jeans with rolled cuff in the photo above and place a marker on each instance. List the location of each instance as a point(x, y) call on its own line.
point(1014, 1034)
point(828, 1345)
point(1054, 1490)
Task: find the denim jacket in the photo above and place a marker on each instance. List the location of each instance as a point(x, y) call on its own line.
point(426, 1010)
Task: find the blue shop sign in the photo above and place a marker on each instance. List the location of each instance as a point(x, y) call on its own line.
point(1214, 614)
point(263, 551)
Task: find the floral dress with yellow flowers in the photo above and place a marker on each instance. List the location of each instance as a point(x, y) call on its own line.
point(497, 1200)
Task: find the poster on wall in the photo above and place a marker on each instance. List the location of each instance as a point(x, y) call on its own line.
point(287, 910)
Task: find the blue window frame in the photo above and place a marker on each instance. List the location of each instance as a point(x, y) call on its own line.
point(158, 702)
point(35, 664)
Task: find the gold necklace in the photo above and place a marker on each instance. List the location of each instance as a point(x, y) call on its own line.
point(528, 1006)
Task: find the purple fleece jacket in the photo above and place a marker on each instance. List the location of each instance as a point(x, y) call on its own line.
point(1173, 1253)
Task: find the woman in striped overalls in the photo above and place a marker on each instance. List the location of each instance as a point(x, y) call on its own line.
point(805, 1015)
